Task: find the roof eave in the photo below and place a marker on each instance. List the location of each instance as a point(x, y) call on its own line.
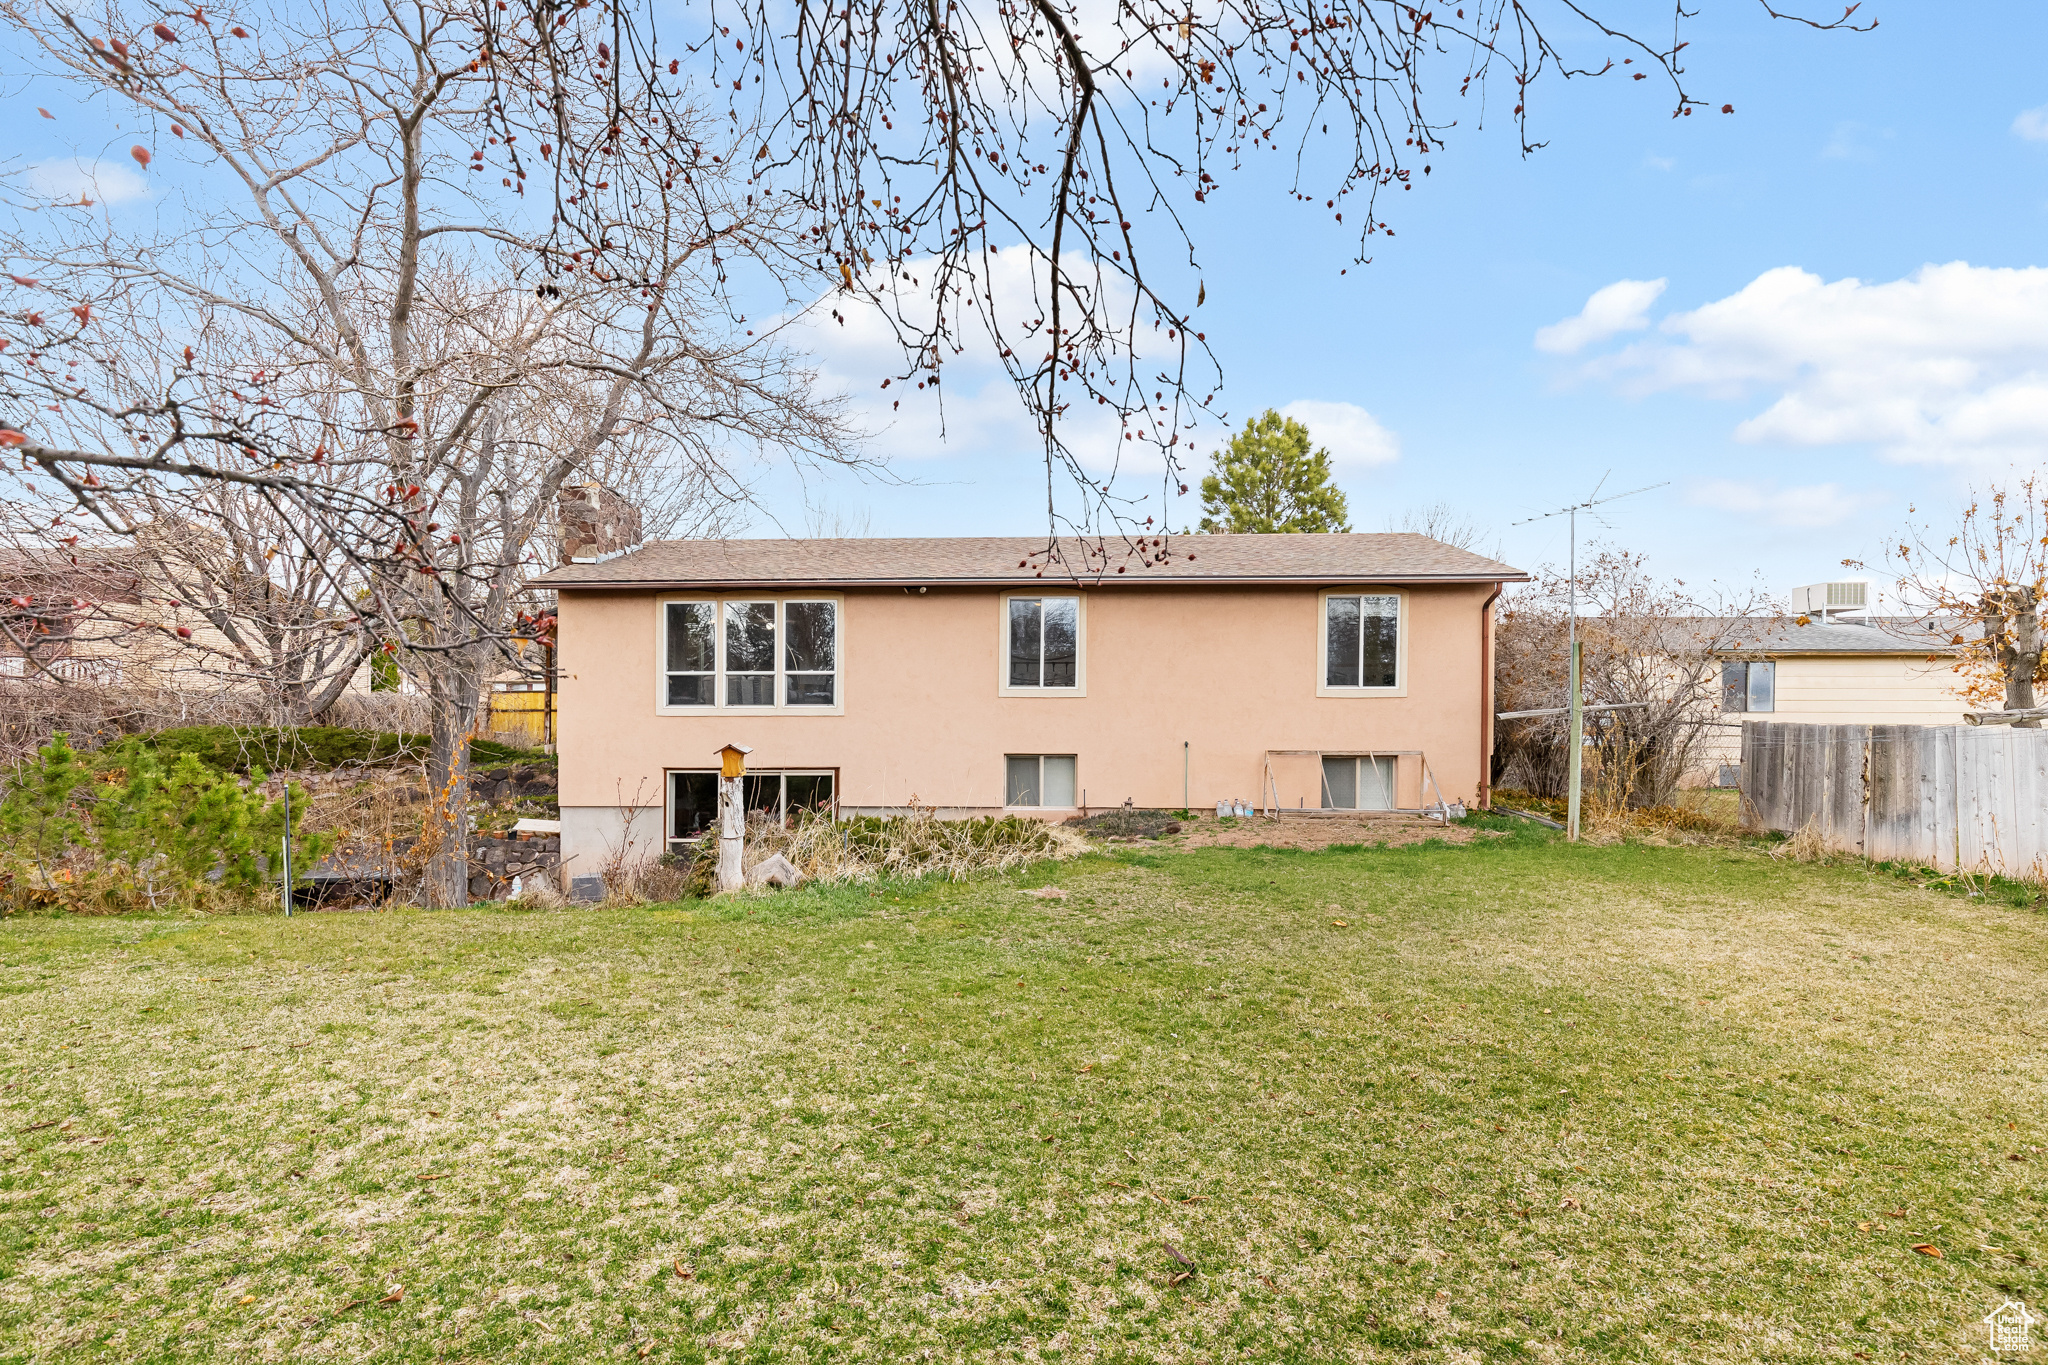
point(1262, 580)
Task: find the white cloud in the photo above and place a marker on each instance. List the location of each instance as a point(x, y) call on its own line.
point(1807, 507)
point(982, 413)
point(1947, 365)
point(1623, 306)
point(1353, 436)
point(2032, 124)
point(103, 182)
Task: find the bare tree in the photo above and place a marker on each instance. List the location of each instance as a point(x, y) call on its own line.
point(1442, 522)
point(916, 149)
point(1990, 572)
point(387, 347)
point(1650, 647)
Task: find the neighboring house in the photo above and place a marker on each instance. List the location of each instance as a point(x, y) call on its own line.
point(973, 677)
point(1867, 671)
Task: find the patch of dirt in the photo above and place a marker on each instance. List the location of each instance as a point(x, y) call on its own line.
point(1299, 830)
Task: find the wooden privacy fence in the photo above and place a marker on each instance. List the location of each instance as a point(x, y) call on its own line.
point(525, 716)
point(1952, 797)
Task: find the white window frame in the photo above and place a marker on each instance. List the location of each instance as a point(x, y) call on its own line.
point(1322, 661)
point(718, 603)
point(1041, 780)
point(1003, 687)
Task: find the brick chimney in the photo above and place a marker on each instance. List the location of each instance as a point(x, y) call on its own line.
point(595, 522)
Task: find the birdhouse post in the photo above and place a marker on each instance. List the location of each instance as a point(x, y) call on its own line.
point(732, 816)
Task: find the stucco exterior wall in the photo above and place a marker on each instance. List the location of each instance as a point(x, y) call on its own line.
point(1229, 672)
point(1857, 689)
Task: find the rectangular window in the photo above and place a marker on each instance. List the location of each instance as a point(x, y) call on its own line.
point(1045, 641)
point(692, 654)
point(753, 654)
point(1039, 780)
point(750, 654)
point(811, 652)
point(693, 798)
point(1763, 686)
point(1751, 686)
point(1362, 639)
point(1362, 782)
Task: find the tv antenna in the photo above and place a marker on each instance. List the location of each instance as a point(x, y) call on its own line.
point(1576, 699)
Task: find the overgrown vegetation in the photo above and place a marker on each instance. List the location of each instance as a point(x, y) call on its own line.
point(1510, 1100)
point(242, 749)
point(866, 849)
point(122, 830)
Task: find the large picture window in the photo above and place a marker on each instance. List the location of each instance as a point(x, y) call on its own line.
point(1043, 644)
point(1362, 640)
point(750, 653)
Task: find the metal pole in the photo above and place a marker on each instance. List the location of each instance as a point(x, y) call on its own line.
point(1578, 748)
point(286, 891)
point(1184, 775)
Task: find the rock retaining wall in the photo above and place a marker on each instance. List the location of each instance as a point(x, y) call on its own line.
point(493, 863)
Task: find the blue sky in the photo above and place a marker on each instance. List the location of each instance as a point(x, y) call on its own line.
point(1795, 412)
point(1850, 156)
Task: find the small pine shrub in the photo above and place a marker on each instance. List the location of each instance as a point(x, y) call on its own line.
point(128, 831)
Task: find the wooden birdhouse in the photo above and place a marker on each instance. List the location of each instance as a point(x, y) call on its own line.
point(732, 760)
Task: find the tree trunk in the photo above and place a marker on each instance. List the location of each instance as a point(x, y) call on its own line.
point(453, 689)
point(2024, 654)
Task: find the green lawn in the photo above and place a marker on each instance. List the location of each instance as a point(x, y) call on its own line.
point(1529, 1101)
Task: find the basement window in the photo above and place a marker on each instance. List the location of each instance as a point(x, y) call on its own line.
point(1750, 685)
point(1358, 782)
point(693, 798)
point(1043, 780)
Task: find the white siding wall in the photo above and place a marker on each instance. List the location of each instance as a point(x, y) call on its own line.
point(1864, 689)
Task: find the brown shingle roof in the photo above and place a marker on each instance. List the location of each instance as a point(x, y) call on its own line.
point(1393, 557)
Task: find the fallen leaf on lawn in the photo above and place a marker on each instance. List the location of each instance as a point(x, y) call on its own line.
point(1569, 1204)
point(1178, 1278)
point(1086, 1069)
point(1174, 1252)
point(397, 1293)
point(442, 1175)
point(1045, 1138)
point(683, 1274)
point(1341, 924)
point(1195, 1199)
point(1863, 1227)
point(1928, 1249)
point(248, 1298)
point(352, 1303)
point(1896, 1213)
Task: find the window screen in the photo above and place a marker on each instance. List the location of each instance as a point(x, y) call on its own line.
point(1045, 641)
point(750, 654)
point(692, 653)
point(1358, 782)
point(811, 644)
point(1362, 636)
point(1039, 780)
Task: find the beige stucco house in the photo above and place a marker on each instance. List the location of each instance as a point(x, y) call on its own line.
point(979, 676)
point(1866, 672)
